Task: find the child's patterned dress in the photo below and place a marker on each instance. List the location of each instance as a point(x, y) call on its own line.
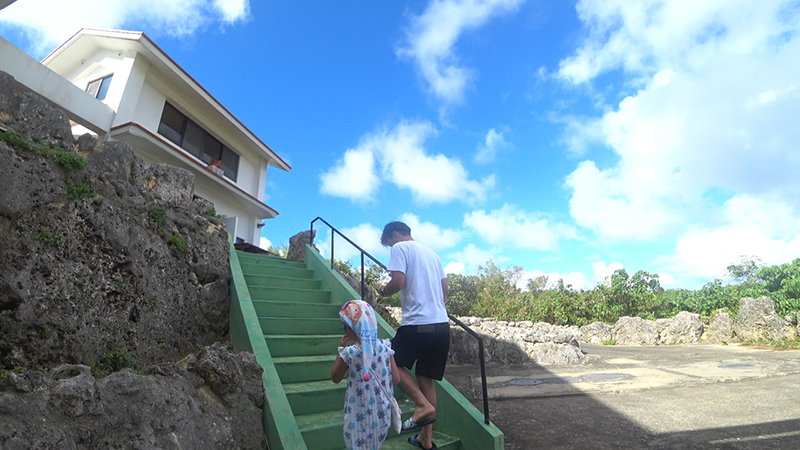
point(367, 411)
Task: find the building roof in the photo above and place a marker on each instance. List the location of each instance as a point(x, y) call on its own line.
point(89, 40)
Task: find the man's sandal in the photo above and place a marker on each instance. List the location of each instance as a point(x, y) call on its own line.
point(410, 424)
point(413, 441)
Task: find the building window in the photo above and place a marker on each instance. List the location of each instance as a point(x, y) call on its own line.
point(190, 136)
point(99, 87)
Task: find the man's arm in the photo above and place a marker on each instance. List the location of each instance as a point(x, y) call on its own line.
point(445, 288)
point(396, 282)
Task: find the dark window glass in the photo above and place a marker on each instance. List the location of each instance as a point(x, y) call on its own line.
point(194, 139)
point(212, 150)
point(181, 130)
point(171, 126)
point(230, 163)
point(104, 84)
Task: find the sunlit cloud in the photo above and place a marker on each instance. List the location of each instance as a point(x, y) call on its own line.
point(398, 156)
point(431, 234)
point(62, 19)
point(509, 226)
point(495, 142)
point(431, 39)
point(711, 94)
point(471, 258)
point(575, 280)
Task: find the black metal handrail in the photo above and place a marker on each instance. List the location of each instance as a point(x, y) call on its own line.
point(466, 328)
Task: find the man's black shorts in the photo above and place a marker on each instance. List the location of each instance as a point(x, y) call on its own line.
point(427, 345)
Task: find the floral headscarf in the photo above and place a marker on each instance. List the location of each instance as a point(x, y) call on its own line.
point(358, 315)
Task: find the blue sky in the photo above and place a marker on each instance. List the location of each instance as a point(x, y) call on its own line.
point(569, 138)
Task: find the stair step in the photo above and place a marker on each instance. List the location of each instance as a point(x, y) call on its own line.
point(301, 311)
point(289, 295)
point(300, 326)
point(265, 260)
point(300, 369)
point(315, 396)
point(278, 271)
point(324, 431)
point(304, 345)
point(285, 282)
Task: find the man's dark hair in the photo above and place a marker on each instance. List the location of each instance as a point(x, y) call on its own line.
point(390, 228)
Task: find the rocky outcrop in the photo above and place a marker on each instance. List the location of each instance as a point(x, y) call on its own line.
point(209, 400)
point(297, 245)
point(110, 256)
point(514, 342)
point(635, 331)
point(719, 329)
point(685, 328)
point(757, 319)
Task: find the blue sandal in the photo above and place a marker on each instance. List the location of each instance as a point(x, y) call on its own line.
point(413, 441)
point(409, 424)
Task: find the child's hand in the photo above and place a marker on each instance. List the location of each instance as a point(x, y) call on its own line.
point(343, 342)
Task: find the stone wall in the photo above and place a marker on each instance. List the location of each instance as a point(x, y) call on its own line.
point(543, 343)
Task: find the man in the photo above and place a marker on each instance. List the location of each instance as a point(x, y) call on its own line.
point(424, 336)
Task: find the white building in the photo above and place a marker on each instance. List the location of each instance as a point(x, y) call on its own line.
point(161, 111)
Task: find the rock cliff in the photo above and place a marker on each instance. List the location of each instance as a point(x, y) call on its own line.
point(107, 264)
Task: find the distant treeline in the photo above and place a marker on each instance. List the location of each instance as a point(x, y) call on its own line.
point(494, 293)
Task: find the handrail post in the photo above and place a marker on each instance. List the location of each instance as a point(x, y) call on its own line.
point(363, 285)
point(483, 381)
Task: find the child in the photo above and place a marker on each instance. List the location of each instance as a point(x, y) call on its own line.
point(367, 410)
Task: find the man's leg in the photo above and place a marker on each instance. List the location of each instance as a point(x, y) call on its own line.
point(428, 389)
point(424, 408)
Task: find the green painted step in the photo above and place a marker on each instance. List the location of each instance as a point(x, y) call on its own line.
point(315, 396)
point(284, 282)
point(323, 431)
point(277, 271)
point(300, 369)
point(303, 345)
point(289, 295)
point(300, 326)
point(250, 258)
point(291, 309)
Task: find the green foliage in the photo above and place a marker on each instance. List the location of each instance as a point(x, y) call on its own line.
point(494, 293)
point(463, 294)
point(121, 285)
point(49, 237)
point(213, 213)
point(114, 361)
point(177, 242)
point(70, 160)
point(609, 342)
point(4, 373)
point(159, 215)
point(77, 191)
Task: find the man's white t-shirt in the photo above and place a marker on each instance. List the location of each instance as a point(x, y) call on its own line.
point(421, 297)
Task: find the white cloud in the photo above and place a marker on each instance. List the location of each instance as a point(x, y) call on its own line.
point(494, 142)
point(432, 36)
point(471, 257)
point(713, 115)
point(353, 177)
point(431, 234)
point(751, 226)
point(602, 271)
point(401, 158)
point(64, 18)
point(509, 226)
point(264, 243)
point(455, 267)
point(575, 279)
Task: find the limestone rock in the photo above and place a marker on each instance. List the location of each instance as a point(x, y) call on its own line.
point(684, 328)
point(297, 245)
point(596, 332)
point(719, 329)
point(168, 407)
point(635, 331)
point(757, 319)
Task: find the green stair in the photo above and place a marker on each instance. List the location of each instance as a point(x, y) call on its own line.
point(295, 309)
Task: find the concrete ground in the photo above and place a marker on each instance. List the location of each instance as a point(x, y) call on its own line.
point(645, 397)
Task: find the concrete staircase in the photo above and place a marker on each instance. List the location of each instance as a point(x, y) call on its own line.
point(302, 330)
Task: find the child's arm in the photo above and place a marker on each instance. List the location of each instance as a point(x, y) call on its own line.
point(339, 366)
point(395, 372)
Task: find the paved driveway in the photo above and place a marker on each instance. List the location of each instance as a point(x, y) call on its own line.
point(646, 397)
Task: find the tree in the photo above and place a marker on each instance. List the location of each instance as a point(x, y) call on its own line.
point(746, 271)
